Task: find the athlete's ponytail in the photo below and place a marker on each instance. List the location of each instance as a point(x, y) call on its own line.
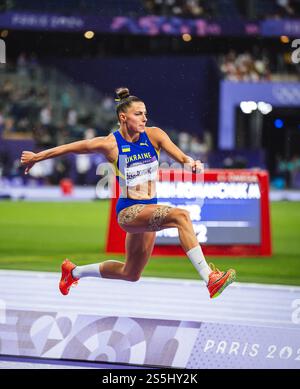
point(122, 93)
point(124, 99)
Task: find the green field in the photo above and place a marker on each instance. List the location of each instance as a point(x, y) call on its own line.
point(38, 236)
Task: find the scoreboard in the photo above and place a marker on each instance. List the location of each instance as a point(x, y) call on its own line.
point(229, 210)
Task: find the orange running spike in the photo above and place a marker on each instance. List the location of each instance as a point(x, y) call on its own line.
point(67, 280)
point(219, 280)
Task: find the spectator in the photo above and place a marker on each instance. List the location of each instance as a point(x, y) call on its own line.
point(83, 166)
point(22, 65)
point(183, 8)
point(184, 141)
point(285, 8)
point(244, 67)
point(289, 171)
point(197, 146)
point(1, 123)
point(72, 117)
point(46, 115)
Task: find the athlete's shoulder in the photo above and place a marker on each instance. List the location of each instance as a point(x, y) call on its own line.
point(104, 142)
point(109, 147)
point(152, 129)
point(156, 135)
point(110, 142)
point(111, 137)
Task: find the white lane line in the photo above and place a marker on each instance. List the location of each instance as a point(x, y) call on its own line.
point(25, 282)
point(86, 292)
point(150, 280)
point(89, 292)
point(150, 297)
point(147, 304)
point(168, 316)
point(115, 308)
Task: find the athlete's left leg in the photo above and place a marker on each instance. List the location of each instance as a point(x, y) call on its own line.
point(139, 247)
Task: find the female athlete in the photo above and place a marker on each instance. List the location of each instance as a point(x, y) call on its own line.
point(134, 150)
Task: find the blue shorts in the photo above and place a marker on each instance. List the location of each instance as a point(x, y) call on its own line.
point(125, 203)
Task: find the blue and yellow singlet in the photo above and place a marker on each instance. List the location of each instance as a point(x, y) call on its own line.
point(137, 164)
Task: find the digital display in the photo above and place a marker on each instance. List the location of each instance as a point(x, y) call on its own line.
point(221, 212)
point(229, 209)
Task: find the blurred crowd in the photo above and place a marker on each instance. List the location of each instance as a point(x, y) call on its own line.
point(35, 107)
point(252, 9)
point(77, 7)
point(287, 173)
point(41, 105)
point(245, 67)
point(180, 8)
point(194, 144)
point(285, 9)
point(258, 65)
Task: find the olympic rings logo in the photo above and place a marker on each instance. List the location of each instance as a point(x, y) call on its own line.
point(287, 95)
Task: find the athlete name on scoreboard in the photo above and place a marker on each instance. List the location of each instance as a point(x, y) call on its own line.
point(236, 178)
point(210, 190)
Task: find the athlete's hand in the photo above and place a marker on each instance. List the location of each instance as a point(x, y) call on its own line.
point(197, 166)
point(28, 160)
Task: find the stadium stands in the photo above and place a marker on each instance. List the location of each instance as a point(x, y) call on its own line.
point(42, 105)
point(40, 102)
point(103, 7)
point(225, 9)
point(221, 9)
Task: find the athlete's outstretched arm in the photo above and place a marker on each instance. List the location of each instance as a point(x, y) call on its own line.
point(164, 142)
point(99, 144)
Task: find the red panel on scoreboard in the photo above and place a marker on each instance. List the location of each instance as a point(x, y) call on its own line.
point(261, 247)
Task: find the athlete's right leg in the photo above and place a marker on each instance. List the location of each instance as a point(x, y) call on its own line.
point(158, 217)
point(154, 217)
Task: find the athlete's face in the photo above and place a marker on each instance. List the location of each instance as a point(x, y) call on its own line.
point(135, 118)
